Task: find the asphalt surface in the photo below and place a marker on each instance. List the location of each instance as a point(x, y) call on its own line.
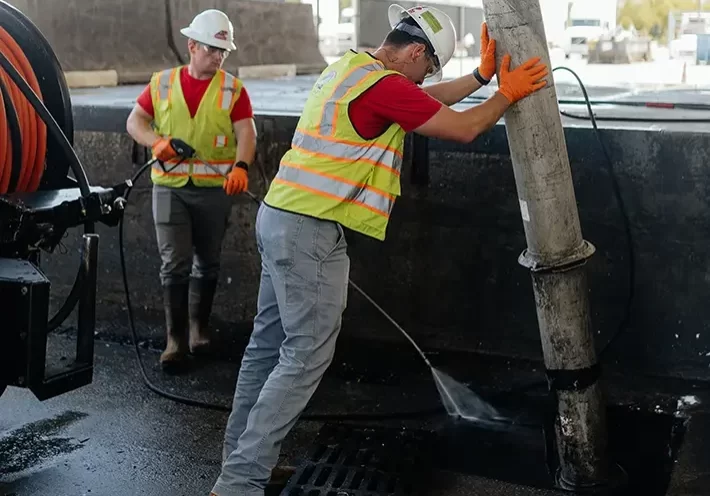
point(115, 437)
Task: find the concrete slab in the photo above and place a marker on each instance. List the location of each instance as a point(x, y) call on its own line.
point(129, 37)
point(264, 32)
point(106, 109)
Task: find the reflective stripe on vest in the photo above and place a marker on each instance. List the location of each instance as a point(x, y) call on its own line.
point(330, 171)
point(198, 168)
point(229, 90)
point(337, 149)
point(327, 122)
point(165, 83)
point(210, 131)
point(228, 87)
point(378, 201)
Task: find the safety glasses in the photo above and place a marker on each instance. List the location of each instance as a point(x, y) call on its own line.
point(214, 50)
point(434, 64)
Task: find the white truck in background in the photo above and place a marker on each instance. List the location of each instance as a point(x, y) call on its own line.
point(587, 21)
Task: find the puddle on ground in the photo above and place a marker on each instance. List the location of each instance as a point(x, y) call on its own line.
point(644, 444)
point(36, 442)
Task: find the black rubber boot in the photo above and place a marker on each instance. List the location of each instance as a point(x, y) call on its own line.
point(174, 359)
point(201, 297)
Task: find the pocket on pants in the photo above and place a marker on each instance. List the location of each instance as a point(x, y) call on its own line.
point(331, 237)
point(162, 205)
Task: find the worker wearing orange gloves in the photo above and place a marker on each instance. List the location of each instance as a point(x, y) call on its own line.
point(342, 172)
point(208, 109)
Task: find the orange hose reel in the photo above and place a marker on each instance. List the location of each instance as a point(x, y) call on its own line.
point(32, 129)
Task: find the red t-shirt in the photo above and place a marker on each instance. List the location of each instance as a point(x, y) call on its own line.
point(193, 90)
point(393, 98)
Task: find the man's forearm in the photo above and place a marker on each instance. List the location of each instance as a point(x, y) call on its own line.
point(141, 131)
point(451, 92)
point(487, 114)
point(246, 146)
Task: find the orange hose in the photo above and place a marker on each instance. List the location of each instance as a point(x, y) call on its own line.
point(5, 149)
point(32, 129)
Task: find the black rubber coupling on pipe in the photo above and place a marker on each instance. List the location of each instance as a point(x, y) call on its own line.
point(573, 380)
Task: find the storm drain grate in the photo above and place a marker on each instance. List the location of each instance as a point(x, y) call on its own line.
point(355, 461)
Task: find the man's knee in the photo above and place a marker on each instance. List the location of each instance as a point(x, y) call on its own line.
point(207, 271)
point(175, 268)
point(175, 274)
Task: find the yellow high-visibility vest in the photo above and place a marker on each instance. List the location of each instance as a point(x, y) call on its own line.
point(210, 132)
point(331, 172)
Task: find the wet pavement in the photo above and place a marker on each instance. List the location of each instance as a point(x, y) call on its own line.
point(116, 438)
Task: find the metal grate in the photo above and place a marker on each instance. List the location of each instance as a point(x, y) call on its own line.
point(353, 461)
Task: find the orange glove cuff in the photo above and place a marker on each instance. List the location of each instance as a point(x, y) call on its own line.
point(163, 150)
point(487, 69)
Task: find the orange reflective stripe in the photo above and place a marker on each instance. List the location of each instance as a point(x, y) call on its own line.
point(213, 162)
point(328, 195)
point(165, 84)
point(350, 142)
point(199, 169)
point(227, 91)
point(170, 84)
point(169, 173)
point(343, 152)
point(333, 177)
point(352, 77)
point(344, 190)
point(333, 158)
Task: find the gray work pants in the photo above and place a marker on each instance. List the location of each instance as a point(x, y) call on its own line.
point(302, 296)
point(190, 224)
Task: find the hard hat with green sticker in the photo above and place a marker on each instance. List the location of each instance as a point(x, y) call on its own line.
point(436, 26)
point(431, 21)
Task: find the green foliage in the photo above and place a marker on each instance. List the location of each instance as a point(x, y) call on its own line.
point(651, 16)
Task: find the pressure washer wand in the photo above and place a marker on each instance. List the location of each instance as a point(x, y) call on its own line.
point(187, 150)
point(215, 169)
point(355, 286)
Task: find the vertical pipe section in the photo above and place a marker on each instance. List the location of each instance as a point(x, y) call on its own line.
point(556, 251)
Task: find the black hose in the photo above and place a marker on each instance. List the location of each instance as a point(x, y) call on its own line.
point(424, 412)
point(624, 217)
point(76, 167)
point(216, 406)
point(684, 120)
point(621, 103)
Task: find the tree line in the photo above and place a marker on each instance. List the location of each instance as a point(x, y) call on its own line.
point(651, 16)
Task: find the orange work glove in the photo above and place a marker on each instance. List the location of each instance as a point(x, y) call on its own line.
point(521, 81)
point(237, 181)
point(163, 150)
point(487, 68)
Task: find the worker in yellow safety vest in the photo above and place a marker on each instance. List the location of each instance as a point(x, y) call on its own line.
point(206, 108)
point(343, 172)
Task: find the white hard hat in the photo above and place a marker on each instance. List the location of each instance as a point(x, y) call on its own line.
point(437, 27)
point(212, 27)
